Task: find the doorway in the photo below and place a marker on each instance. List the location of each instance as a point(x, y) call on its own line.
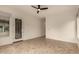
point(18, 28)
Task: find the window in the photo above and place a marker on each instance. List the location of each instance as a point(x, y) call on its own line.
point(1, 28)
point(4, 28)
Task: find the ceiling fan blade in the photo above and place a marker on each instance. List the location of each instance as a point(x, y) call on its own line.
point(38, 6)
point(43, 8)
point(34, 7)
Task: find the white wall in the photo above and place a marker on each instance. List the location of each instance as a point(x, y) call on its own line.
point(78, 26)
point(61, 26)
point(31, 25)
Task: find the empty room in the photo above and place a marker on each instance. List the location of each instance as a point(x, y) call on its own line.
point(39, 29)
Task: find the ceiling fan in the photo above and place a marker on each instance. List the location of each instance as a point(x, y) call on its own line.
point(39, 8)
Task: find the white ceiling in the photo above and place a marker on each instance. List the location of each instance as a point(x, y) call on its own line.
point(52, 9)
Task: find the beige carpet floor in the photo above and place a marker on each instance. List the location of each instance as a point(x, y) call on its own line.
point(39, 46)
